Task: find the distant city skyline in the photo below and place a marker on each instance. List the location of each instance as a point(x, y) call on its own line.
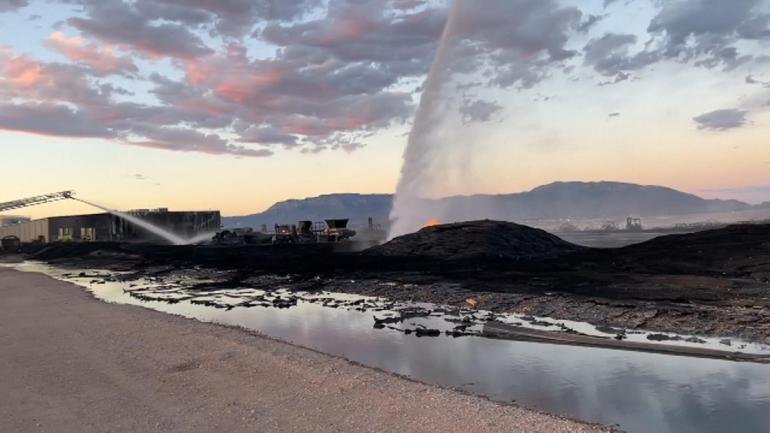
point(235, 105)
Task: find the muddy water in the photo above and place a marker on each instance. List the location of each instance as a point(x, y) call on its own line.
point(640, 392)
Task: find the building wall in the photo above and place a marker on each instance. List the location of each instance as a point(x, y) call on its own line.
point(185, 224)
point(29, 231)
point(94, 227)
point(107, 227)
point(8, 220)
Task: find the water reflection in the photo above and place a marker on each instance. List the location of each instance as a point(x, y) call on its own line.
point(640, 391)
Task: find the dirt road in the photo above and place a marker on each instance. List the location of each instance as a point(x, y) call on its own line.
point(70, 363)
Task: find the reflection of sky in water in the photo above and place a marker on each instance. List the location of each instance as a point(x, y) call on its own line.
point(642, 392)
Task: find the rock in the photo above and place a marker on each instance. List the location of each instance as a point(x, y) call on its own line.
point(467, 320)
point(284, 303)
point(413, 312)
point(746, 318)
point(662, 337)
point(535, 322)
point(384, 320)
point(457, 333)
point(420, 332)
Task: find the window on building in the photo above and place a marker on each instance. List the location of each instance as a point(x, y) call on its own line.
point(87, 233)
point(65, 234)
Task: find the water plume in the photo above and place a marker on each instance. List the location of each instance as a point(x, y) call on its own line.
point(409, 211)
point(201, 238)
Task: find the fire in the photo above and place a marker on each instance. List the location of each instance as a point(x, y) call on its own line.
point(432, 222)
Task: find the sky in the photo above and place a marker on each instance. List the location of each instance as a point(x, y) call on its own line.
point(237, 104)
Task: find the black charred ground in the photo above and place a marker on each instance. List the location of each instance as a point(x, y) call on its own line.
point(713, 282)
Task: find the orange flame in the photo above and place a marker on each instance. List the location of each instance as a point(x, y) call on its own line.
point(432, 222)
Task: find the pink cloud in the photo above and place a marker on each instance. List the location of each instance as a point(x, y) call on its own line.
point(102, 60)
point(198, 72)
point(304, 96)
point(231, 75)
point(24, 77)
point(349, 122)
point(21, 72)
point(240, 87)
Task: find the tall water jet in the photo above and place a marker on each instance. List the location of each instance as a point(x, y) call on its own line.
point(409, 213)
point(577, 100)
point(152, 228)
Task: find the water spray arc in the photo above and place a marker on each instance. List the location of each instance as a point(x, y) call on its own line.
point(152, 228)
point(70, 195)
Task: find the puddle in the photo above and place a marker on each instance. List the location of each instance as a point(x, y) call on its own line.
point(642, 392)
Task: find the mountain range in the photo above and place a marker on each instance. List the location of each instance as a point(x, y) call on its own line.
point(558, 200)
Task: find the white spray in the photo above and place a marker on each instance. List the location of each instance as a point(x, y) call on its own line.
point(408, 213)
point(152, 228)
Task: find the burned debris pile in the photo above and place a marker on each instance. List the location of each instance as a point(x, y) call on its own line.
point(477, 240)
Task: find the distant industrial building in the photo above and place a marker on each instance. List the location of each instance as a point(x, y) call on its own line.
point(108, 227)
point(634, 224)
point(9, 220)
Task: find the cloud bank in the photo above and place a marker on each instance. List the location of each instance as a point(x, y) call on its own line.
point(253, 77)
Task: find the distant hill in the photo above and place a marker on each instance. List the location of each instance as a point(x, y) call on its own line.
point(579, 200)
point(593, 200)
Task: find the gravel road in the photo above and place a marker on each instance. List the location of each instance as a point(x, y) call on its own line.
point(71, 363)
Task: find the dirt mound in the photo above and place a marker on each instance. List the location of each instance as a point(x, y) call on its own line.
point(476, 240)
point(740, 250)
